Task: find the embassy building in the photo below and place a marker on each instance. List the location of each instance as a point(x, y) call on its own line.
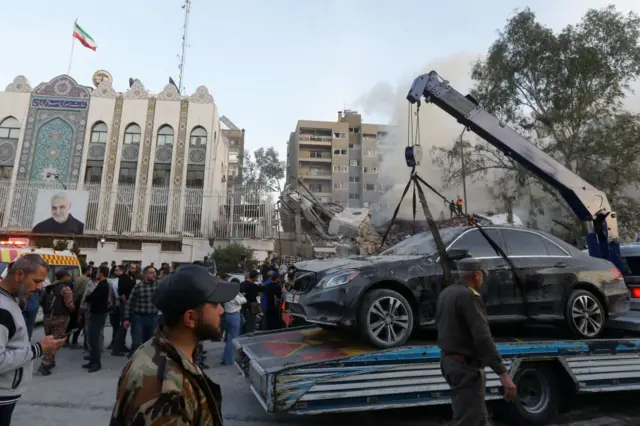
point(127, 176)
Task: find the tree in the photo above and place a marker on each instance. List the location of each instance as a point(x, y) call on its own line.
point(262, 170)
point(564, 92)
point(234, 258)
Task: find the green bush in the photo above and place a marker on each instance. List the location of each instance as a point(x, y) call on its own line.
point(229, 259)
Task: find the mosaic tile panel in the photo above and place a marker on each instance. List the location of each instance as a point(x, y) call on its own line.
point(179, 165)
point(112, 150)
point(143, 173)
point(56, 106)
point(57, 130)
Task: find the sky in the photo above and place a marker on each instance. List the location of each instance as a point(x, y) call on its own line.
point(268, 63)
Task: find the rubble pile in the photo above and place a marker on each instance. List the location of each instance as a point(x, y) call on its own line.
point(349, 230)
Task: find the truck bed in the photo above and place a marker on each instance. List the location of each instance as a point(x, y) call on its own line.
point(309, 370)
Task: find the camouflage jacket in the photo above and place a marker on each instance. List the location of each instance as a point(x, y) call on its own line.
point(160, 386)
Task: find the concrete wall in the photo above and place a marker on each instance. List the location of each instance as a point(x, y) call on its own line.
point(192, 249)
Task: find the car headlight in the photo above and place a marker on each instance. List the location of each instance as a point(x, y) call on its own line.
point(337, 279)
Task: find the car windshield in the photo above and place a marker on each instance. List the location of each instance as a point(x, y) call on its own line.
point(422, 243)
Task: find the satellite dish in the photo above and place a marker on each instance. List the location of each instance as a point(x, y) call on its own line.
point(100, 76)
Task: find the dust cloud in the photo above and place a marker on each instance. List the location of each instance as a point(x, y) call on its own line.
point(436, 128)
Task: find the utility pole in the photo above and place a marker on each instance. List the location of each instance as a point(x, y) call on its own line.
point(183, 55)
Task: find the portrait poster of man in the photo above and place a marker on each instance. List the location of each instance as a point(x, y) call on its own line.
point(60, 212)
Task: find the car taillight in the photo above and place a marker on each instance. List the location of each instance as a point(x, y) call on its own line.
point(635, 292)
point(616, 273)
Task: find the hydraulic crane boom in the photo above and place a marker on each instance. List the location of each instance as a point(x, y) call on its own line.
point(587, 202)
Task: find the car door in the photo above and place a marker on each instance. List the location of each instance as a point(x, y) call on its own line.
point(532, 253)
point(497, 289)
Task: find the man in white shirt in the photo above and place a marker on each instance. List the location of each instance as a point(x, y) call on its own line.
point(232, 324)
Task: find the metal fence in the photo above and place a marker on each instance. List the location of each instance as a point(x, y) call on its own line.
point(130, 210)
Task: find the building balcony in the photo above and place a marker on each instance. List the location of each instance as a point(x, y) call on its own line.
point(318, 157)
point(324, 175)
point(314, 140)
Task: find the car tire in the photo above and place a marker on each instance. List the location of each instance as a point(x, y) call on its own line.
point(585, 315)
point(538, 395)
point(394, 322)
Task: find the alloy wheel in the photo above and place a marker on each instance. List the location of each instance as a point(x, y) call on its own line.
point(587, 315)
point(388, 319)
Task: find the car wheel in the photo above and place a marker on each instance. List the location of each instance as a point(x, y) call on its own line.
point(538, 395)
point(385, 318)
point(585, 315)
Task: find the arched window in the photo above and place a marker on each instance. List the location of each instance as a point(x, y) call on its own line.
point(99, 133)
point(132, 134)
point(198, 137)
point(9, 128)
point(165, 135)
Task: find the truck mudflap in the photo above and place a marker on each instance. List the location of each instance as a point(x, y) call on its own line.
point(313, 371)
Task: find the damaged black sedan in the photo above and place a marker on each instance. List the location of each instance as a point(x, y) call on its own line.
point(385, 297)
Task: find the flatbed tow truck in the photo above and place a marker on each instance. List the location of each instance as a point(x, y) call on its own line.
point(312, 370)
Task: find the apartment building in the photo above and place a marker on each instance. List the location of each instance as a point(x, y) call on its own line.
point(236, 150)
point(336, 161)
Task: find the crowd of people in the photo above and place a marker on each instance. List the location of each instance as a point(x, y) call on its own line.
point(122, 295)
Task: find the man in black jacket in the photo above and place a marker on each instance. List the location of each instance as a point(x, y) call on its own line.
point(99, 309)
point(125, 286)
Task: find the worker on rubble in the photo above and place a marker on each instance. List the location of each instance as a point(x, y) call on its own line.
point(466, 346)
point(459, 204)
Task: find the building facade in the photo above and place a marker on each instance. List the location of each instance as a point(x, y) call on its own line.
point(235, 138)
point(336, 161)
point(154, 166)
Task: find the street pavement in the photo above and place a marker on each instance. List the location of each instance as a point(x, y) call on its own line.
point(72, 396)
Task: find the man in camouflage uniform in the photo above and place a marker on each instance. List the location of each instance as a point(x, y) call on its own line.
point(160, 385)
point(57, 307)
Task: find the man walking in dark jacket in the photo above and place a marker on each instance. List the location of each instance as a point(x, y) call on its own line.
point(99, 309)
point(125, 287)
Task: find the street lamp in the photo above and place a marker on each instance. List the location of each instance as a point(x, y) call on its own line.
point(102, 240)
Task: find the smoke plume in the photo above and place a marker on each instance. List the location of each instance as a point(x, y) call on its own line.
point(436, 128)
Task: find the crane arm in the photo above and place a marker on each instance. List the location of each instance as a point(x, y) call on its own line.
point(588, 203)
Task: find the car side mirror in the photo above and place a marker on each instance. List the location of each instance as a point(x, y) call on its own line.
point(458, 254)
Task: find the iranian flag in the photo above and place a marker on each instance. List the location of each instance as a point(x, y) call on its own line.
point(84, 37)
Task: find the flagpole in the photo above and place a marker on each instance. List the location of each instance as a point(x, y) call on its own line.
point(73, 43)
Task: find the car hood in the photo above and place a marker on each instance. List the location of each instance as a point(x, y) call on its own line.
point(352, 262)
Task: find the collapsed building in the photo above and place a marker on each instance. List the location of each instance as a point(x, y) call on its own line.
point(326, 229)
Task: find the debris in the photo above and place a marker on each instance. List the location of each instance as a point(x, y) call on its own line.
point(350, 230)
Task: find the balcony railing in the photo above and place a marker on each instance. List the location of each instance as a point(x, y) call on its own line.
point(315, 138)
point(320, 156)
point(153, 212)
point(316, 174)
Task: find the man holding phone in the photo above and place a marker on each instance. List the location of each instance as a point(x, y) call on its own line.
point(24, 277)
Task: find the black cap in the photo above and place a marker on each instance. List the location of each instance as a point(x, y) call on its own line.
point(469, 264)
point(61, 274)
point(189, 287)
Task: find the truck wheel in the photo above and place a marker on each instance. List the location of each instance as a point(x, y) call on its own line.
point(385, 318)
point(538, 395)
point(585, 315)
